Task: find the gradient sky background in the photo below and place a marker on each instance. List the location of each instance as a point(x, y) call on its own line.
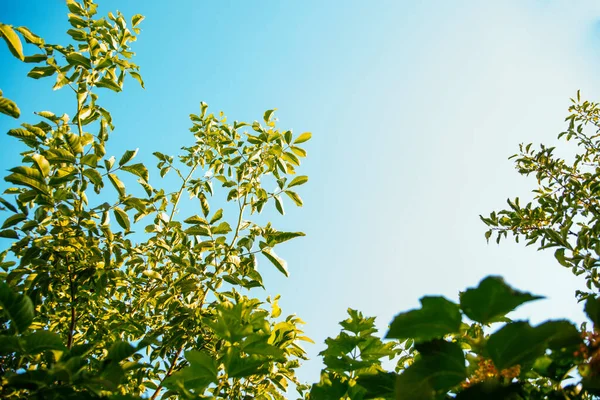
point(414, 109)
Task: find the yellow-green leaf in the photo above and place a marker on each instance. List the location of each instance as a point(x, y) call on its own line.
point(278, 262)
point(303, 138)
point(12, 40)
point(122, 218)
point(299, 180)
point(117, 184)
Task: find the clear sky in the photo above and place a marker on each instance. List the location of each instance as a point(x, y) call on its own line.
point(414, 109)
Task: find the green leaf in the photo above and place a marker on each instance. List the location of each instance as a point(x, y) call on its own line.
point(222, 228)
point(40, 341)
point(94, 176)
point(592, 310)
point(299, 180)
point(8, 205)
point(267, 115)
point(279, 263)
point(201, 372)
point(60, 156)
point(35, 58)
point(119, 351)
point(30, 37)
point(298, 151)
point(280, 237)
point(198, 230)
point(12, 41)
point(518, 343)
point(108, 84)
point(74, 142)
point(218, 215)
point(138, 78)
point(492, 300)
point(17, 307)
point(136, 19)
point(13, 220)
point(78, 60)
point(138, 170)
point(41, 72)
point(75, 8)
point(440, 368)
point(122, 218)
point(10, 345)
point(127, 156)
point(26, 176)
point(303, 138)
point(9, 107)
point(279, 205)
point(241, 367)
point(295, 197)
point(436, 317)
point(117, 184)
point(378, 385)
point(42, 164)
point(492, 389)
point(204, 204)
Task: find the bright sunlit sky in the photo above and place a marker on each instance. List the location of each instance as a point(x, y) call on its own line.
point(414, 109)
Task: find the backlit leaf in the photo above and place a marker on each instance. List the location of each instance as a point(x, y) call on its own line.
point(12, 40)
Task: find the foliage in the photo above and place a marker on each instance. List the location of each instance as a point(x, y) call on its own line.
point(564, 214)
point(462, 360)
point(454, 357)
point(148, 304)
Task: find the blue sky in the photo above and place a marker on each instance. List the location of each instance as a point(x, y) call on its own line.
point(414, 109)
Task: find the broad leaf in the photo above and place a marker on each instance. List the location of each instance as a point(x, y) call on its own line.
point(17, 307)
point(9, 107)
point(303, 138)
point(278, 262)
point(299, 180)
point(12, 40)
point(440, 368)
point(40, 341)
point(436, 317)
point(492, 300)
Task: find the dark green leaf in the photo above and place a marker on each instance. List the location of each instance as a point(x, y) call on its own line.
point(519, 343)
point(492, 300)
point(436, 317)
point(119, 351)
point(440, 367)
point(17, 307)
point(279, 205)
point(13, 220)
point(40, 341)
point(592, 309)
